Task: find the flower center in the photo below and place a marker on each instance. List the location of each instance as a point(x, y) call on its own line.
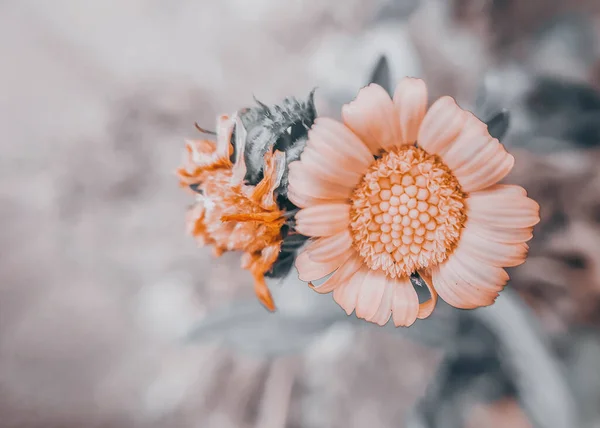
point(407, 212)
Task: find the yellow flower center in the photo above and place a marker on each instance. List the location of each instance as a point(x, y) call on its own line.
point(407, 212)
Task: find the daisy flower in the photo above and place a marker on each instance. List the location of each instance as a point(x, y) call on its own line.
point(229, 214)
point(397, 191)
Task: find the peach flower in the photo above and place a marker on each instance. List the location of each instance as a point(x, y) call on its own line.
point(229, 214)
point(398, 190)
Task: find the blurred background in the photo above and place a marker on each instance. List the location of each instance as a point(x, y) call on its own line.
point(111, 317)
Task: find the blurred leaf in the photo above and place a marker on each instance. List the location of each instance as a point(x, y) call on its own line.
point(498, 124)
point(249, 328)
point(381, 74)
point(396, 10)
point(536, 372)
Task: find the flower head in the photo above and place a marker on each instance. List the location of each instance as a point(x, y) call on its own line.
point(397, 190)
point(229, 214)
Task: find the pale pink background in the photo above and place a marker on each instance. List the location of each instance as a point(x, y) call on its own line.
point(98, 281)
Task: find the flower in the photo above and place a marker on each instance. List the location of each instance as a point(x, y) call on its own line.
point(229, 214)
point(396, 191)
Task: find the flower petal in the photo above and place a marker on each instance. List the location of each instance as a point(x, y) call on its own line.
point(503, 206)
point(264, 192)
point(488, 277)
point(426, 308)
point(309, 270)
point(346, 295)
point(372, 116)
point(341, 276)
point(492, 253)
point(225, 125)
point(468, 285)
point(476, 159)
point(324, 249)
point(469, 144)
point(504, 189)
point(323, 220)
point(442, 123)
point(239, 168)
point(405, 307)
point(481, 291)
point(370, 294)
point(448, 292)
point(501, 235)
point(410, 98)
point(384, 312)
point(305, 183)
point(337, 143)
point(457, 292)
point(304, 201)
point(478, 175)
point(343, 171)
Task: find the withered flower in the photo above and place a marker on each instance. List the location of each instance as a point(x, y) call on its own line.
point(229, 214)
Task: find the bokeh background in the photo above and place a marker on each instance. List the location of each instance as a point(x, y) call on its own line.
point(111, 317)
